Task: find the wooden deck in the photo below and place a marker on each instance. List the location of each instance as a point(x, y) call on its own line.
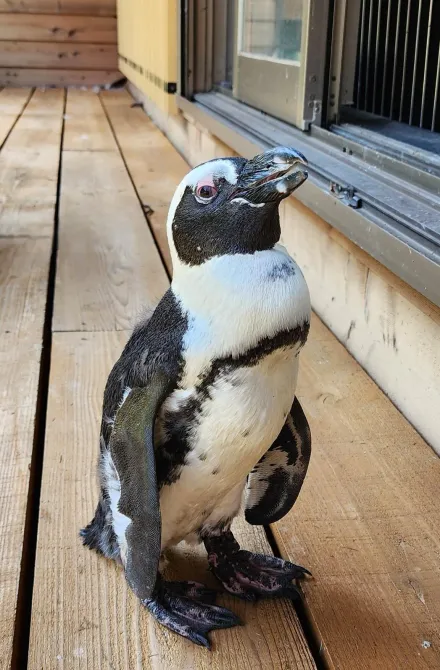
point(78, 263)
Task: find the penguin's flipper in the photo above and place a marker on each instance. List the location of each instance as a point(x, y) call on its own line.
point(133, 487)
point(186, 608)
point(275, 482)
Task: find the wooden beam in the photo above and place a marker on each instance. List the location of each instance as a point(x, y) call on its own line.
point(29, 168)
point(84, 7)
point(154, 165)
point(367, 520)
point(86, 128)
point(53, 56)
point(57, 78)
point(24, 269)
point(12, 103)
point(58, 28)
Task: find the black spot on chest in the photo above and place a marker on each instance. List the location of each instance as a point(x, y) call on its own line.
point(283, 270)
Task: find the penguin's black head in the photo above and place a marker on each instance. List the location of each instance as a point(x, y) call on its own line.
point(230, 205)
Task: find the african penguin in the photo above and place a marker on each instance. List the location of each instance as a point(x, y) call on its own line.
point(199, 412)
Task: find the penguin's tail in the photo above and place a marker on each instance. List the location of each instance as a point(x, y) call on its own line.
point(99, 535)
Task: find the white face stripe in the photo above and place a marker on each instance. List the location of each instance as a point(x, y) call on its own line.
point(217, 168)
point(243, 201)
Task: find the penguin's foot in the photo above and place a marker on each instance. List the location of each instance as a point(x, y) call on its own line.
point(251, 576)
point(187, 608)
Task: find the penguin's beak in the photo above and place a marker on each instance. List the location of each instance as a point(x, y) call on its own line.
point(271, 176)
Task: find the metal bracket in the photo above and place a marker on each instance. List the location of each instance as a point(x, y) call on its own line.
point(347, 195)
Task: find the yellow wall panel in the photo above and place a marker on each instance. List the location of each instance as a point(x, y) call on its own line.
point(147, 39)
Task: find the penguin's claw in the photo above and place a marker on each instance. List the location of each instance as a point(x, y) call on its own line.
point(186, 608)
point(252, 576)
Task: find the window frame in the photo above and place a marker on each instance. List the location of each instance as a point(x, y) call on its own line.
point(292, 91)
point(372, 197)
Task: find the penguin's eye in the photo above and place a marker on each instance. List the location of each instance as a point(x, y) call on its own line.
point(205, 192)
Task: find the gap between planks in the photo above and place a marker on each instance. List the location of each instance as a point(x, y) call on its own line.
point(13, 102)
point(26, 261)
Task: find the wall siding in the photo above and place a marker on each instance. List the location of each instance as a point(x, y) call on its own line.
point(48, 42)
point(147, 32)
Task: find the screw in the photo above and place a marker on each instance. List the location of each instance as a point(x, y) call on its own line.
point(313, 79)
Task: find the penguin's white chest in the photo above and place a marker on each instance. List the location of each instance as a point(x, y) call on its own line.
point(233, 305)
point(237, 422)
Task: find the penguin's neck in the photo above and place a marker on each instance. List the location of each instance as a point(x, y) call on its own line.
point(237, 300)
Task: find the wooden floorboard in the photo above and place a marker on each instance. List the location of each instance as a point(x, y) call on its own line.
point(153, 163)
point(108, 267)
point(24, 268)
point(12, 102)
point(29, 163)
point(86, 127)
point(367, 520)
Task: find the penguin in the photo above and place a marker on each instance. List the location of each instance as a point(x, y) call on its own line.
point(200, 417)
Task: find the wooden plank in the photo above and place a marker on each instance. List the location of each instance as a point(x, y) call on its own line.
point(154, 165)
point(54, 56)
point(367, 521)
point(56, 28)
point(85, 7)
point(86, 127)
point(108, 266)
point(58, 78)
point(29, 168)
point(12, 103)
point(84, 616)
point(24, 265)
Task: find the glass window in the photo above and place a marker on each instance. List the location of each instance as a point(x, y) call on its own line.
point(271, 29)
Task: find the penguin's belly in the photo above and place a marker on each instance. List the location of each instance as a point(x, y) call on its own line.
point(237, 418)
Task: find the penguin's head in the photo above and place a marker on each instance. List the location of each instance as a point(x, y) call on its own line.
point(230, 205)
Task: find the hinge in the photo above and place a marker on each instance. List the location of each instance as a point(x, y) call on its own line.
point(346, 194)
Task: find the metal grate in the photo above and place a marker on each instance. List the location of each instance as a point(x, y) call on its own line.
point(398, 61)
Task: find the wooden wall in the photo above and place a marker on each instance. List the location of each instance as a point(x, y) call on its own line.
point(58, 42)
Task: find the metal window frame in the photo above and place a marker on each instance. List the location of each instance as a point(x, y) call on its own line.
point(288, 91)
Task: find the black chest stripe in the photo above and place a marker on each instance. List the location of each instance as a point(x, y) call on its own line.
point(177, 425)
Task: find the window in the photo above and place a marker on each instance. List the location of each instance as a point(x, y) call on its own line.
point(355, 86)
point(269, 53)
